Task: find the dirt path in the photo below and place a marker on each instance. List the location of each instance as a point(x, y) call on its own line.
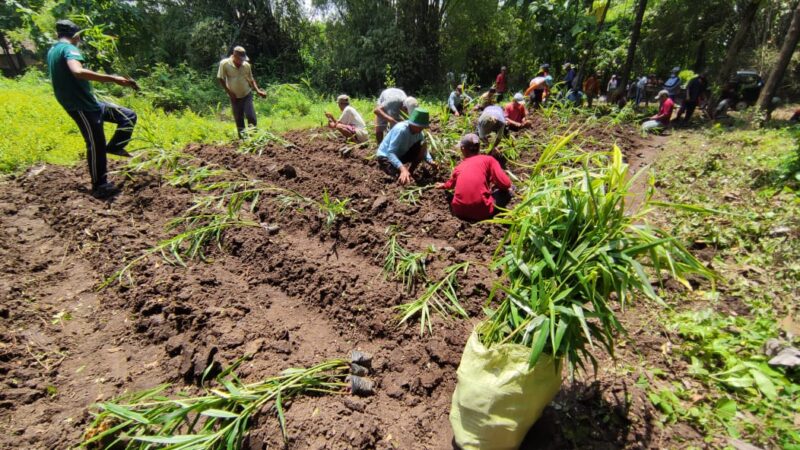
point(290, 298)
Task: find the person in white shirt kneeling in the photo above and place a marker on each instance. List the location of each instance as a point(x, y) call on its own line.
point(350, 124)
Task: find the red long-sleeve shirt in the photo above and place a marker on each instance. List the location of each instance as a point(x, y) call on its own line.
point(472, 180)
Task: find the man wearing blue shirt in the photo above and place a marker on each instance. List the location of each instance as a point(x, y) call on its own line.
point(405, 144)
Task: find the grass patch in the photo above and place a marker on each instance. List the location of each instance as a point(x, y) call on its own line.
point(727, 388)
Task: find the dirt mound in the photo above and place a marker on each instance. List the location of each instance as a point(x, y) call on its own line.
point(292, 294)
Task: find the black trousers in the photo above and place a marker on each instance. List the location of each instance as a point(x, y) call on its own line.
point(91, 125)
point(687, 107)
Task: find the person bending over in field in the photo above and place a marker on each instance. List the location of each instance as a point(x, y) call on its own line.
point(236, 76)
point(486, 99)
point(391, 105)
point(478, 182)
point(492, 120)
point(455, 103)
point(539, 89)
point(350, 124)
point(405, 144)
point(516, 113)
point(73, 91)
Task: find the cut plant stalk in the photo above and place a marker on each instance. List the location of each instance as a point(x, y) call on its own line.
point(440, 297)
point(401, 264)
point(570, 245)
point(218, 420)
point(411, 195)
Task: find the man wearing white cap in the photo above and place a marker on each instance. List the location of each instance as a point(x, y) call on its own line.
point(660, 120)
point(516, 113)
point(236, 76)
point(350, 123)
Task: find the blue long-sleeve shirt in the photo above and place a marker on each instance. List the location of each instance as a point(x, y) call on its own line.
point(398, 141)
point(457, 99)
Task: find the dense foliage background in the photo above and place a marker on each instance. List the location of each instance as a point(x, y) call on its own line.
point(359, 46)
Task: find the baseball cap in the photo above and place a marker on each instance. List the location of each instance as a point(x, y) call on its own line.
point(239, 50)
point(66, 28)
point(663, 92)
point(518, 97)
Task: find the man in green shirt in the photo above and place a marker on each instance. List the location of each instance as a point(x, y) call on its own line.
point(236, 76)
point(73, 91)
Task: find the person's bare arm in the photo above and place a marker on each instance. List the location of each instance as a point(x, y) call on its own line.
point(82, 73)
point(255, 87)
point(380, 112)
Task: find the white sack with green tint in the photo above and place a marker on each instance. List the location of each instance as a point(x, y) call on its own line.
point(498, 398)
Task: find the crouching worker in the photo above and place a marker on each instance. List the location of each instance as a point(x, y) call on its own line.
point(350, 124)
point(478, 182)
point(405, 144)
point(391, 105)
point(661, 120)
point(516, 113)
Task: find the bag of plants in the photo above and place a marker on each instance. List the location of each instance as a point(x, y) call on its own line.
point(498, 397)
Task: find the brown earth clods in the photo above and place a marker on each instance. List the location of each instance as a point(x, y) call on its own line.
point(293, 294)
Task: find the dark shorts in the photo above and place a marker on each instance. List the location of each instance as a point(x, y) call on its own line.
point(414, 155)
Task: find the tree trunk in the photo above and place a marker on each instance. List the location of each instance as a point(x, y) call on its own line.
point(14, 68)
point(625, 74)
point(590, 51)
point(732, 55)
point(776, 75)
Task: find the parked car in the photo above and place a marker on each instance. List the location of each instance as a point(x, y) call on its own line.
point(745, 87)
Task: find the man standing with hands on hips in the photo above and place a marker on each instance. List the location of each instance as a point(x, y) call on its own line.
point(73, 91)
point(236, 77)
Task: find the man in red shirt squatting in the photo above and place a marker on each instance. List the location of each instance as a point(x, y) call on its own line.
point(660, 120)
point(516, 113)
point(478, 182)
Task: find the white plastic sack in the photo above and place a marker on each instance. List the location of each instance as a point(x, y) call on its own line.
point(497, 397)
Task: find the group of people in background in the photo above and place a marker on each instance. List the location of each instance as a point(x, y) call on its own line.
point(478, 184)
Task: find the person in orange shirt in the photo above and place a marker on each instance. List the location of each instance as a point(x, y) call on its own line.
point(516, 113)
point(591, 88)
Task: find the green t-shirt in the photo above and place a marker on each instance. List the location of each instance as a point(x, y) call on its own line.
point(72, 93)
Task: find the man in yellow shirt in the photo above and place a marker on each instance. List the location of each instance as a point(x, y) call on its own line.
point(236, 77)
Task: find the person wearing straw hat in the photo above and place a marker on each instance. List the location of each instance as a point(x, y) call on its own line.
point(479, 183)
point(661, 120)
point(405, 144)
point(236, 77)
point(350, 124)
point(392, 103)
point(74, 93)
point(516, 113)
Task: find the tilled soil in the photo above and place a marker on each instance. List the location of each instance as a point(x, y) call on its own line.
point(292, 296)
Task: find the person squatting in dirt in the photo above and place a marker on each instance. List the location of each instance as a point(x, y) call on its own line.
point(478, 182)
point(405, 144)
point(74, 92)
point(455, 103)
point(516, 113)
point(486, 99)
point(350, 124)
point(388, 112)
point(661, 120)
point(236, 77)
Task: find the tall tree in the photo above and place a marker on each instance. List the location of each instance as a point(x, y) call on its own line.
point(625, 73)
point(776, 75)
point(735, 46)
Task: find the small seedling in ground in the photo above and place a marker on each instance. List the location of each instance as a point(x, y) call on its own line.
point(412, 194)
point(331, 208)
point(441, 297)
point(257, 139)
point(401, 264)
